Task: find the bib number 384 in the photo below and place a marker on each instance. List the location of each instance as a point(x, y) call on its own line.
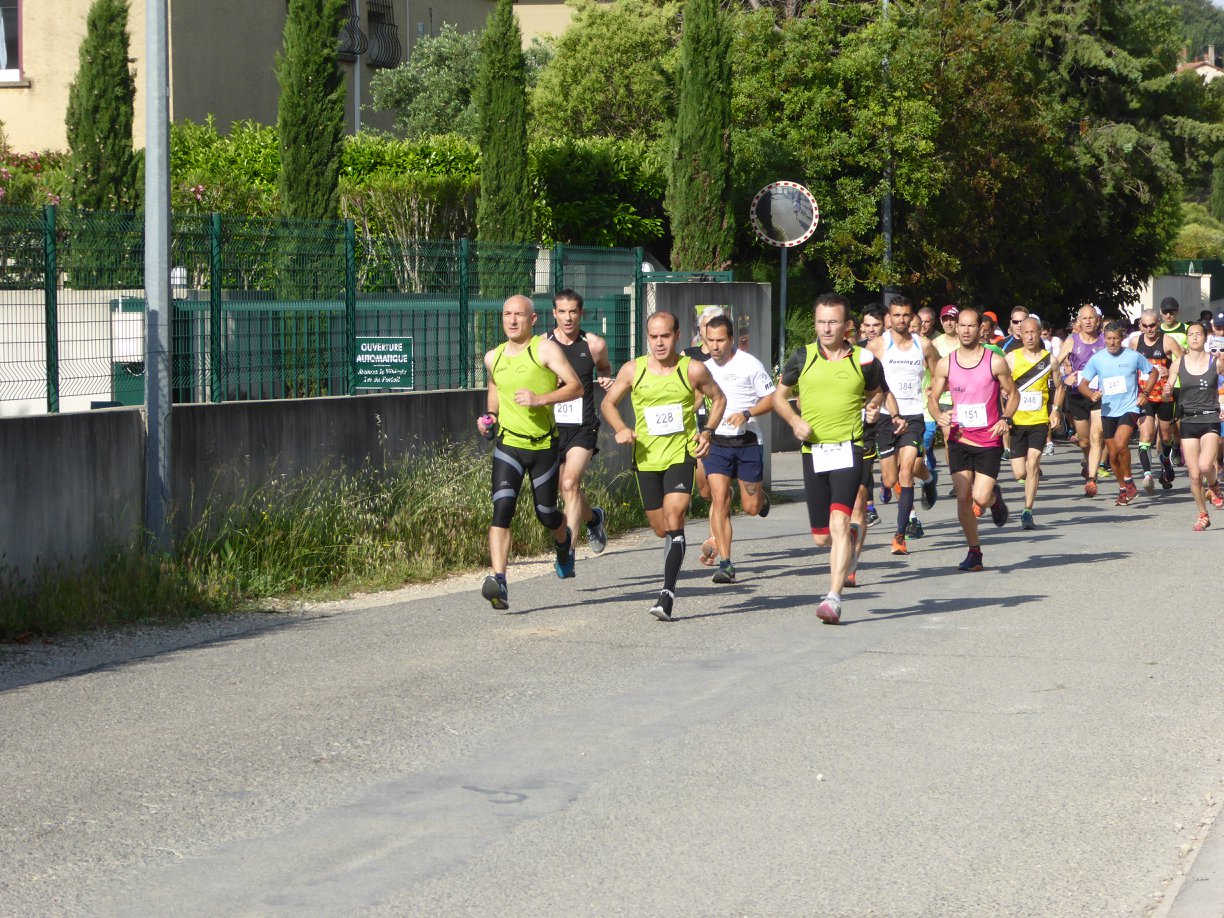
point(664, 420)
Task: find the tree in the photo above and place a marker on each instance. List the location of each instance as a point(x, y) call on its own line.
point(433, 91)
point(1217, 186)
point(504, 211)
point(103, 165)
point(612, 74)
point(310, 113)
point(699, 184)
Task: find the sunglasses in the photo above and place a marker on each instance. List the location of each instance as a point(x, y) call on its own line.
point(1147, 324)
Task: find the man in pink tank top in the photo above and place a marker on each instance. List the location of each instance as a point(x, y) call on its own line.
point(973, 428)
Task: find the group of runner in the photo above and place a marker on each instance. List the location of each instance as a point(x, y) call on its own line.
point(852, 403)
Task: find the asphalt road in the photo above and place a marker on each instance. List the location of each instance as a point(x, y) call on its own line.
point(1043, 738)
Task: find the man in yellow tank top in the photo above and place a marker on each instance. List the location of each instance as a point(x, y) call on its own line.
point(528, 374)
point(1041, 402)
point(666, 441)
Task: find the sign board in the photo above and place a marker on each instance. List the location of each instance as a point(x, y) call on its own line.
point(384, 363)
point(784, 214)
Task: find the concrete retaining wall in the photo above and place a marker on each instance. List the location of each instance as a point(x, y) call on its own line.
point(71, 486)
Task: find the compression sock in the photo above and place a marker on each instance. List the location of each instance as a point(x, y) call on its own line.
point(905, 506)
point(673, 558)
point(1145, 457)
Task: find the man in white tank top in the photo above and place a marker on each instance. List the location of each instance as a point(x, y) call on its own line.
point(906, 358)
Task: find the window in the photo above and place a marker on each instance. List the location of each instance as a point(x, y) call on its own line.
point(384, 40)
point(10, 47)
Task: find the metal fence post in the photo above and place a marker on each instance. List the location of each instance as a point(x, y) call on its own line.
point(51, 306)
point(466, 376)
point(558, 267)
point(215, 382)
point(639, 301)
point(350, 307)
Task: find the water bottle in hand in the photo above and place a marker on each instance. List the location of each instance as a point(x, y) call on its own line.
point(490, 424)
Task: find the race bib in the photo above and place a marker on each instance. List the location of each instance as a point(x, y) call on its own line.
point(663, 420)
point(971, 415)
point(727, 429)
point(908, 388)
point(1114, 385)
point(829, 457)
point(1030, 401)
point(568, 413)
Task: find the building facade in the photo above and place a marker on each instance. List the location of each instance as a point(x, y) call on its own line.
point(222, 56)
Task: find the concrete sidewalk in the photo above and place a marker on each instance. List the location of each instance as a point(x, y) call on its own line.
point(1042, 738)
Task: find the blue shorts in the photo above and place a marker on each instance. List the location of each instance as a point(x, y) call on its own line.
point(745, 463)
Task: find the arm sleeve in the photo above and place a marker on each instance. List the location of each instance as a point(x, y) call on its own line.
point(793, 367)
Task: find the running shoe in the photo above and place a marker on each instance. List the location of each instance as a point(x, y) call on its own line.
point(1166, 479)
point(709, 552)
point(494, 590)
point(662, 607)
point(977, 511)
point(885, 495)
point(1049, 449)
point(1007, 455)
point(564, 565)
point(1090, 487)
point(1178, 460)
point(829, 611)
point(1203, 522)
point(1026, 519)
point(1131, 491)
point(725, 572)
point(1084, 470)
point(999, 513)
point(765, 508)
point(1123, 499)
point(1217, 499)
point(898, 544)
point(852, 579)
point(597, 536)
point(872, 516)
point(1149, 483)
point(973, 561)
point(929, 494)
point(1166, 468)
point(914, 530)
point(1104, 471)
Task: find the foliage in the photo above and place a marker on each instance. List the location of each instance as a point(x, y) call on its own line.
point(1201, 234)
point(598, 192)
point(1202, 25)
point(1216, 202)
point(433, 91)
point(32, 179)
point(237, 173)
point(310, 113)
point(699, 182)
point(370, 153)
point(503, 213)
point(103, 171)
point(613, 73)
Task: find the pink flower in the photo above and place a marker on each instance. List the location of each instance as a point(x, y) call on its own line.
point(52, 198)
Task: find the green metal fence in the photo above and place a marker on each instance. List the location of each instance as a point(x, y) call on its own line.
point(267, 309)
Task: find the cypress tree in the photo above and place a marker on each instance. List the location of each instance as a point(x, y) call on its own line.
point(699, 180)
point(102, 167)
point(1216, 203)
point(503, 213)
point(310, 112)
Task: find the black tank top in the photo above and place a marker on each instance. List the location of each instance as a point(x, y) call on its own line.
point(1155, 353)
point(1198, 392)
point(579, 356)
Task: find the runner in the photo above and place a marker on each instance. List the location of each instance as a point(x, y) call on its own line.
point(1159, 413)
point(904, 360)
point(737, 450)
point(833, 380)
point(974, 427)
point(1013, 341)
point(577, 423)
point(944, 345)
point(1085, 413)
point(928, 330)
point(527, 376)
point(1032, 370)
point(698, 351)
point(1118, 369)
point(872, 327)
point(1171, 324)
point(662, 385)
point(1195, 373)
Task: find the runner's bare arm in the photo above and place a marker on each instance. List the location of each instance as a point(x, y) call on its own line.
point(939, 383)
point(608, 408)
point(599, 354)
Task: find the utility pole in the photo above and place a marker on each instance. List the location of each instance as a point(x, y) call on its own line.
point(157, 276)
